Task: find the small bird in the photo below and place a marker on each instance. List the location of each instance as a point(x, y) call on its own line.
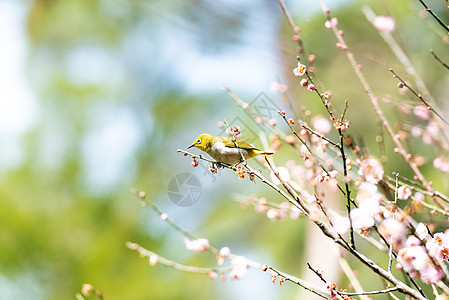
point(224, 149)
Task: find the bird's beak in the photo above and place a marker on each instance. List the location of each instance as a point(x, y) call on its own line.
point(193, 145)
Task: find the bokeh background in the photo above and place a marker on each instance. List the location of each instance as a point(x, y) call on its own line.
point(96, 96)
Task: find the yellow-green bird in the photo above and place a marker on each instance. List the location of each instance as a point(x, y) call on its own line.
point(224, 150)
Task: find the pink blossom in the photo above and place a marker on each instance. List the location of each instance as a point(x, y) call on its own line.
point(404, 108)
point(212, 275)
point(412, 241)
point(300, 70)
point(225, 252)
point(393, 228)
point(239, 266)
point(199, 245)
point(442, 164)
point(431, 275)
point(295, 213)
point(304, 82)
point(320, 178)
point(220, 260)
point(332, 287)
point(261, 209)
point(367, 192)
point(371, 170)
point(421, 231)
point(438, 246)
point(276, 214)
point(422, 112)
point(416, 131)
point(386, 99)
point(443, 253)
point(154, 259)
point(427, 138)
point(384, 23)
point(327, 95)
point(432, 128)
point(87, 289)
point(194, 164)
point(311, 87)
point(283, 172)
point(333, 173)
point(285, 206)
point(233, 131)
point(261, 206)
point(340, 224)
point(321, 125)
point(412, 258)
point(333, 294)
point(311, 58)
point(371, 206)
point(272, 213)
point(331, 23)
point(418, 197)
point(404, 192)
point(361, 218)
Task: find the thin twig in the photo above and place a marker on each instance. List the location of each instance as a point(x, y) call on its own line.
point(419, 97)
point(434, 16)
point(320, 136)
point(348, 191)
point(145, 202)
point(304, 284)
point(439, 60)
point(390, 254)
point(171, 263)
point(386, 291)
point(292, 25)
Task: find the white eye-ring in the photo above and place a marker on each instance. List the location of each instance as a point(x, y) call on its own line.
point(198, 141)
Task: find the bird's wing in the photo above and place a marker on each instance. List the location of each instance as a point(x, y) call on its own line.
point(228, 142)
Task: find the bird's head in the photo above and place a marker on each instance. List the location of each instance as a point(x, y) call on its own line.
point(203, 142)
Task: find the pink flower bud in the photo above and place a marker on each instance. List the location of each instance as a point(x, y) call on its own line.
point(212, 275)
point(311, 87)
point(225, 252)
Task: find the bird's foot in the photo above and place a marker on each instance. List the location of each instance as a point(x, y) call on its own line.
point(221, 165)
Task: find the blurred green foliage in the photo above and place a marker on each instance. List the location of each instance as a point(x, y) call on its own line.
point(61, 229)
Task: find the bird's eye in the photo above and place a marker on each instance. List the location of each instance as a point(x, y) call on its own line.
point(198, 141)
